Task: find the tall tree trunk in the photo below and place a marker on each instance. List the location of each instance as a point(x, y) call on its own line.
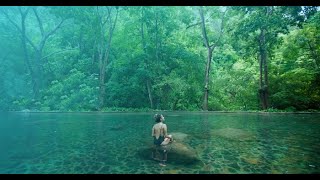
point(148, 81)
point(105, 59)
point(35, 86)
point(263, 91)
point(149, 92)
point(101, 47)
point(206, 80)
point(39, 50)
point(261, 83)
point(38, 71)
point(157, 39)
point(102, 84)
point(210, 49)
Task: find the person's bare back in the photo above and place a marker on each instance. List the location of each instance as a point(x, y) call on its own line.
point(159, 129)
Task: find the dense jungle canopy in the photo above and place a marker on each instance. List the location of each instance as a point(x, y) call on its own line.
point(217, 58)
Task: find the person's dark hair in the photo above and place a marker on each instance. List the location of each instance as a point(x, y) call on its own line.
point(157, 117)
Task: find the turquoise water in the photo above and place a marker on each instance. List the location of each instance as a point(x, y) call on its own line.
point(119, 143)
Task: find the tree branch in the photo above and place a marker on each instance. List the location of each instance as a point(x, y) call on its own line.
point(193, 25)
point(198, 23)
point(12, 22)
point(106, 20)
point(115, 21)
point(31, 43)
point(23, 15)
point(221, 29)
point(101, 16)
point(54, 30)
point(203, 28)
point(111, 29)
point(39, 21)
point(57, 52)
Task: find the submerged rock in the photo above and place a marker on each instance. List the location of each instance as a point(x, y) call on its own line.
point(250, 160)
point(178, 153)
point(182, 153)
point(117, 128)
point(233, 134)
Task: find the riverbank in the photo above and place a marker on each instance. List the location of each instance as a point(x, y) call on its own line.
point(131, 110)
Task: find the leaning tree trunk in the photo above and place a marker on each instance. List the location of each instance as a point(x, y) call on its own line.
point(149, 92)
point(263, 90)
point(206, 80)
point(35, 87)
point(39, 72)
point(148, 81)
point(38, 49)
point(105, 60)
point(210, 49)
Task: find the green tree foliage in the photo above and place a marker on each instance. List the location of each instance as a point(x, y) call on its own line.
point(54, 58)
point(298, 57)
point(263, 24)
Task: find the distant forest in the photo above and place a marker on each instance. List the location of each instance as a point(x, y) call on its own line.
point(141, 58)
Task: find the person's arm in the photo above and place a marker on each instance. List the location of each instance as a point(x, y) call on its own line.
point(165, 130)
point(152, 131)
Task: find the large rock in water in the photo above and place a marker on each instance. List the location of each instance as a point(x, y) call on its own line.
point(233, 134)
point(179, 151)
point(178, 136)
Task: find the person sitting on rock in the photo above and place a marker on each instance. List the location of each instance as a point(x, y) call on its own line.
point(160, 138)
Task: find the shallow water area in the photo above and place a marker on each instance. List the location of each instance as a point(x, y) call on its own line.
point(119, 143)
